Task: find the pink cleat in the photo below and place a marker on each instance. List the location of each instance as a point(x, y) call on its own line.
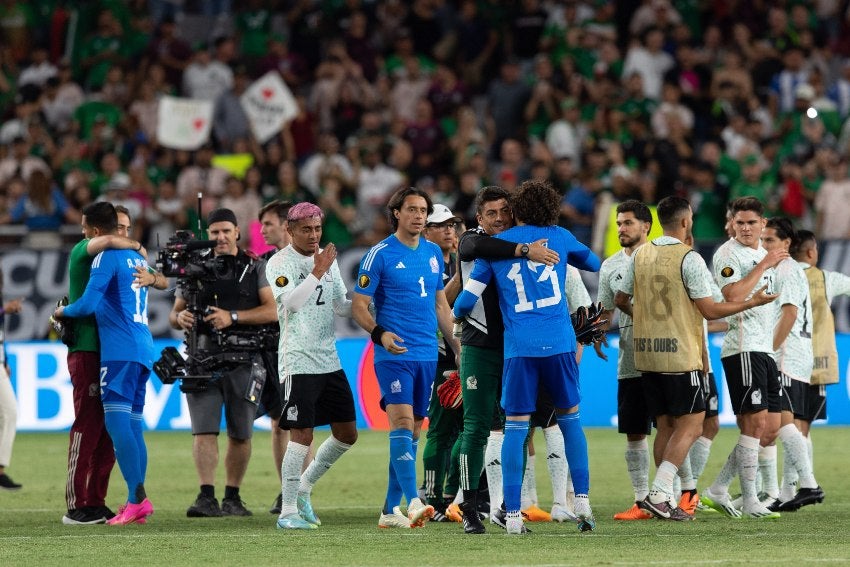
point(132, 514)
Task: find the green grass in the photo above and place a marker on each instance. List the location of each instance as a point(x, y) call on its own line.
point(348, 501)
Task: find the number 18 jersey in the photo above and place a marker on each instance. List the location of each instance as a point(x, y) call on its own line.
point(531, 295)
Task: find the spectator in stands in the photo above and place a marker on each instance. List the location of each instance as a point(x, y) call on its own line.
point(39, 70)
point(43, 207)
point(506, 100)
point(19, 162)
point(650, 61)
point(833, 222)
point(207, 78)
point(326, 158)
point(230, 122)
point(202, 176)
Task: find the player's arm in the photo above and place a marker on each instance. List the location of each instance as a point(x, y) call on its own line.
point(341, 303)
point(113, 242)
point(786, 322)
point(473, 289)
point(697, 281)
point(739, 290)
point(445, 320)
point(88, 302)
point(581, 256)
point(475, 246)
point(380, 336)
point(294, 297)
point(623, 295)
point(453, 287)
point(836, 284)
point(718, 326)
point(146, 276)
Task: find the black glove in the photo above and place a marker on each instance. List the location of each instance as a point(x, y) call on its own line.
point(588, 324)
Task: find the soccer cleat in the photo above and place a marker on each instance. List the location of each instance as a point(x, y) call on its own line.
point(665, 510)
point(688, 502)
point(83, 517)
point(132, 514)
point(498, 518)
point(471, 522)
point(584, 516)
point(418, 513)
point(278, 504)
point(804, 497)
point(562, 514)
point(721, 503)
point(770, 502)
point(294, 522)
point(394, 520)
point(534, 514)
point(703, 508)
point(6, 483)
point(234, 507)
point(305, 509)
point(204, 507)
point(121, 511)
point(633, 513)
point(453, 513)
point(515, 526)
point(104, 511)
point(759, 512)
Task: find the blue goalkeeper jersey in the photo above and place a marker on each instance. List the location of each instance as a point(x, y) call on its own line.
point(403, 283)
point(120, 307)
point(531, 295)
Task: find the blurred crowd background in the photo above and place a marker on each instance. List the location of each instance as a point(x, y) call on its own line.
point(609, 100)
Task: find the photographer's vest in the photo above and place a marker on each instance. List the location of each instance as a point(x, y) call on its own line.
point(668, 326)
point(823, 336)
point(236, 294)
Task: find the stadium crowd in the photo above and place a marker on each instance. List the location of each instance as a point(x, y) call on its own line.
point(608, 100)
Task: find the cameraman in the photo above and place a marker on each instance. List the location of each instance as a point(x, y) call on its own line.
point(240, 301)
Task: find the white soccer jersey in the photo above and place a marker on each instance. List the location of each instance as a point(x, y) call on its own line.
point(307, 339)
point(575, 291)
point(794, 357)
point(610, 276)
point(836, 284)
point(752, 329)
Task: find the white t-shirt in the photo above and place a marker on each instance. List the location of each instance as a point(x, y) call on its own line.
point(794, 357)
point(750, 330)
point(610, 278)
point(306, 314)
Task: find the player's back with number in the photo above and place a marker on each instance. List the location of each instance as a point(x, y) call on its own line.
point(532, 295)
point(122, 314)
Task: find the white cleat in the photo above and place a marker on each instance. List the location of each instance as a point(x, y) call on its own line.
point(562, 514)
point(394, 520)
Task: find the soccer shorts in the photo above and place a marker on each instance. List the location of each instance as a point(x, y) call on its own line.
point(815, 402)
point(124, 381)
point(558, 374)
point(712, 399)
point(406, 382)
point(544, 415)
point(753, 382)
point(793, 397)
point(633, 417)
point(228, 391)
point(316, 399)
point(673, 394)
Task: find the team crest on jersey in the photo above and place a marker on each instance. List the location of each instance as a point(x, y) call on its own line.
point(363, 281)
point(281, 281)
point(292, 413)
point(395, 387)
point(435, 266)
point(712, 403)
point(756, 397)
point(727, 272)
point(471, 383)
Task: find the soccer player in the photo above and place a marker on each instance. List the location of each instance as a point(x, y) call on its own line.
point(669, 285)
point(404, 275)
point(272, 219)
point(444, 424)
point(482, 352)
point(742, 265)
point(792, 343)
point(540, 342)
point(309, 290)
point(634, 221)
point(91, 455)
point(8, 405)
point(824, 286)
point(120, 308)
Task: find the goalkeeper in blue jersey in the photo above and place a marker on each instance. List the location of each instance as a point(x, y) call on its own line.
point(540, 343)
point(120, 308)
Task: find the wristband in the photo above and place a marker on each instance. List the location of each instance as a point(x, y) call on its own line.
point(376, 334)
point(139, 249)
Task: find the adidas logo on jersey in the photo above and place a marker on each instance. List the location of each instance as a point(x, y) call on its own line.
point(553, 456)
point(406, 457)
point(395, 387)
point(400, 266)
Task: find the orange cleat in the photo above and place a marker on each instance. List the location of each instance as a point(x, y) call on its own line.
point(633, 513)
point(453, 513)
point(534, 514)
point(688, 502)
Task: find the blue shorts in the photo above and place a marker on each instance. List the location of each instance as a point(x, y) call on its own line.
point(558, 374)
point(123, 381)
point(406, 382)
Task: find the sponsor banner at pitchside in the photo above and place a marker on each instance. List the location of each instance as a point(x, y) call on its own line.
point(45, 403)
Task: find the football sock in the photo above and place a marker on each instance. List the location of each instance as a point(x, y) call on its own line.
point(290, 474)
point(513, 448)
point(637, 462)
point(794, 446)
point(403, 457)
point(747, 457)
point(329, 452)
point(493, 468)
point(529, 483)
point(727, 473)
point(136, 424)
point(556, 461)
point(686, 476)
point(117, 419)
point(767, 470)
point(698, 454)
point(662, 486)
point(576, 450)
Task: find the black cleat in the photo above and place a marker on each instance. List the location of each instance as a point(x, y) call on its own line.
point(204, 507)
point(6, 483)
point(471, 521)
point(278, 503)
point(804, 497)
point(234, 507)
point(87, 516)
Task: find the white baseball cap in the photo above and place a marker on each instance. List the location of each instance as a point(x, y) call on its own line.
point(441, 214)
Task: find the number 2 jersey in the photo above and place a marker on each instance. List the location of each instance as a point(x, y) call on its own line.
point(794, 357)
point(531, 295)
point(403, 283)
point(119, 306)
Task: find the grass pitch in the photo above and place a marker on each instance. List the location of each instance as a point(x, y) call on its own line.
point(348, 501)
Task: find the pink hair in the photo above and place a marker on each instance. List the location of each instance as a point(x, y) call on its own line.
point(303, 211)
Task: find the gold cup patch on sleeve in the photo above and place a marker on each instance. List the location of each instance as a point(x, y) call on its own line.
point(727, 272)
point(363, 281)
point(281, 281)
